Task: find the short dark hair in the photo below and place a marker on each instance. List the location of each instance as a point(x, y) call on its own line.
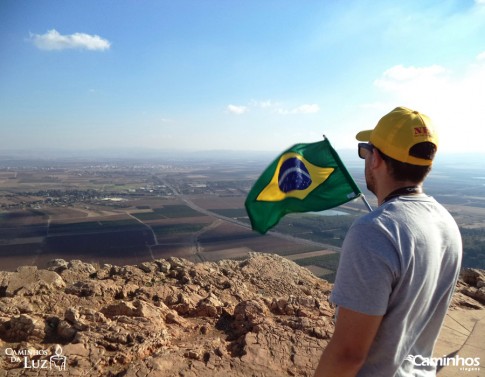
point(402, 171)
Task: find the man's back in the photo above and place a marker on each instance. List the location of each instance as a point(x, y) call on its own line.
point(400, 261)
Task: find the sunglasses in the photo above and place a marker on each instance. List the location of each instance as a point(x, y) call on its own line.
point(364, 146)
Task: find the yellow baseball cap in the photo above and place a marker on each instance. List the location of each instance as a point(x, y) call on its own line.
point(398, 131)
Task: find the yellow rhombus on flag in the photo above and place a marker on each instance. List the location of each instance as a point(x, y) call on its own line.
point(304, 178)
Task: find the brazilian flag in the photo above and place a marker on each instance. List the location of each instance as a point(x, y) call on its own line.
point(304, 178)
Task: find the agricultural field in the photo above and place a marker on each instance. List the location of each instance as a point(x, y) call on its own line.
point(122, 212)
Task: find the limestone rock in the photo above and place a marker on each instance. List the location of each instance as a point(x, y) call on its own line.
point(263, 316)
point(28, 280)
point(470, 291)
point(473, 277)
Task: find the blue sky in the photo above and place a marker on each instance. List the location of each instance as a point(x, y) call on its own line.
point(238, 75)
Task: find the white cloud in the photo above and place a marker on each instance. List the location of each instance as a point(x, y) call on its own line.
point(278, 108)
point(306, 109)
point(267, 104)
point(399, 76)
point(481, 56)
point(237, 109)
point(454, 101)
point(53, 40)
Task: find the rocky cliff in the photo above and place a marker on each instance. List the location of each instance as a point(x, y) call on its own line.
point(263, 316)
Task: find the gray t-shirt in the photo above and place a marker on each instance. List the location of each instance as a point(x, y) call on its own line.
point(401, 261)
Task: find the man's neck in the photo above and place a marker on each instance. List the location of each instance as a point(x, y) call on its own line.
point(394, 189)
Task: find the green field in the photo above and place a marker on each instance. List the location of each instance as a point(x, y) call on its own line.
point(473, 248)
point(329, 230)
point(329, 262)
point(231, 212)
point(174, 211)
point(94, 226)
point(173, 229)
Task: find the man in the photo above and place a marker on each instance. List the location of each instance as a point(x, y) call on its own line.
point(399, 264)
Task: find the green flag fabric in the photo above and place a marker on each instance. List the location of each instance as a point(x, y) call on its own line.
point(304, 178)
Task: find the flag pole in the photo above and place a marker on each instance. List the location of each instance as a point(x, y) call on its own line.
point(366, 202)
point(361, 194)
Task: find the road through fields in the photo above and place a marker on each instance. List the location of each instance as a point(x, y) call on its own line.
point(206, 212)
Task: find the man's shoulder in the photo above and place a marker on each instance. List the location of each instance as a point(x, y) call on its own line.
point(404, 206)
point(402, 212)
point(372, 217)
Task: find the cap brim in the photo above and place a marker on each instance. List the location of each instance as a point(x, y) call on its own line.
point(364, 135)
